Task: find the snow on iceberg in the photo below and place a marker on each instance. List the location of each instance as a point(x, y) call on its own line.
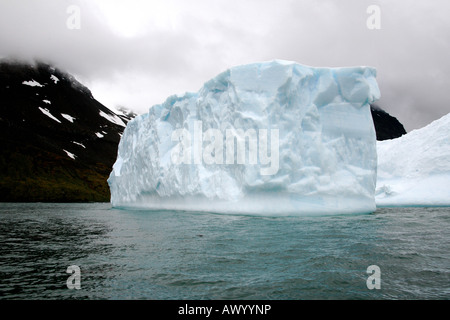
point(267, 138)
point(414, 170)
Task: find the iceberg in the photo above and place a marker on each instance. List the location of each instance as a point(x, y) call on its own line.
point(269, 138)
point(414, 170)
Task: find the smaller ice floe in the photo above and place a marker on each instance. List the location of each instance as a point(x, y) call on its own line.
point(47, 101)
point(48, 114)
point(98, 134)
point(32, 83)
point(68, 118)
point(71, 155)
point(113, 118)
point(80, 144)
point(54, 78)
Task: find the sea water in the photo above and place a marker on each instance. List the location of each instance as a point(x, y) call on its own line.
point(125, 254)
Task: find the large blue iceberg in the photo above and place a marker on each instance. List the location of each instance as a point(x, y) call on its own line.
point(271, 138)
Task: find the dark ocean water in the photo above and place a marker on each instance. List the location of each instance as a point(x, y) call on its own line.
point(190, 255)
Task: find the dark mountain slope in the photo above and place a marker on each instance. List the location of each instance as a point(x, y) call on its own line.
point(57, 143)
point(386, 126)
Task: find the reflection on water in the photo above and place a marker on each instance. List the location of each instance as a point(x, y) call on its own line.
point(188, 255)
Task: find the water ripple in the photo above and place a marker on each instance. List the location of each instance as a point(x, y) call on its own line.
point(191, 255)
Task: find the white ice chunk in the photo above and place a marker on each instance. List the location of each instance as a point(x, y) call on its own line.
point(414, 170)
point(98, 134)
point(48, 114)
point(301, 141)
point(47, 101)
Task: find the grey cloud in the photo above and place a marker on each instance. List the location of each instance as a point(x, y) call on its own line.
point(410, 51)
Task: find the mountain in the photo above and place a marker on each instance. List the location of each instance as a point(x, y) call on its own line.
point(57, 143)
point(387, 127)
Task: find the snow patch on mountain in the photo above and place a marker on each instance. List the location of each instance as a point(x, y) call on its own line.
point(68, 117)
point(80, 144)
point(54, 78)
point(69, 154)
point(32, 83)
point(48, 114)
point(112, 118)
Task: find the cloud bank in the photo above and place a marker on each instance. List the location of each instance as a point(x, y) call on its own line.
point(136, 53)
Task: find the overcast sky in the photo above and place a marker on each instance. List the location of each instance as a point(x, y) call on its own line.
point(136, 53)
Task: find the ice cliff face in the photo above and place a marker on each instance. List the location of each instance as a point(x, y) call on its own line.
point(265, 138)
point(415, 168)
